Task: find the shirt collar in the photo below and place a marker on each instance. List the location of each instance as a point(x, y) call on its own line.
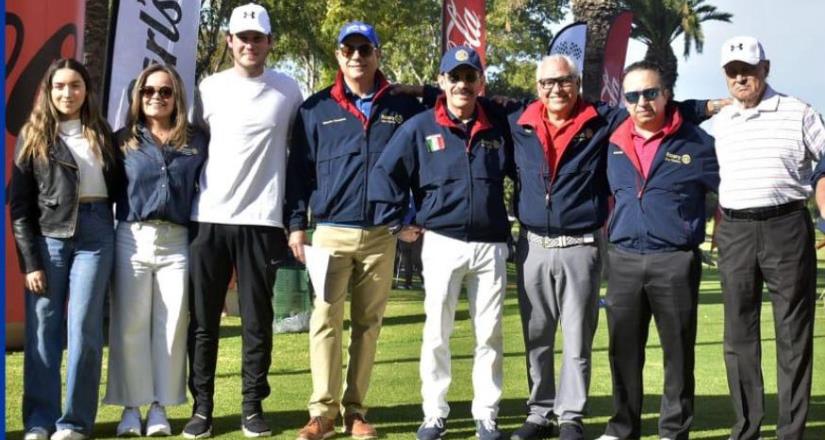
point(769, 103)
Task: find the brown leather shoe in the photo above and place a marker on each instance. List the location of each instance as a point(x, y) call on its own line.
point(356, 426)
point(318, 428)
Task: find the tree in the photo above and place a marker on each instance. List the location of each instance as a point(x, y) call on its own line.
point(598, 14)
point(95, 37)
point(657, 24)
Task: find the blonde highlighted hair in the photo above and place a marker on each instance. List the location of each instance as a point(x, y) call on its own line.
point(41, 130)
point(179, 135)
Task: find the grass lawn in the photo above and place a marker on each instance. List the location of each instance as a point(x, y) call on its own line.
point(395, 400)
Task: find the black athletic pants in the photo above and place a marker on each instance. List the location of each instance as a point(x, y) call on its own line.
point(778, 252)
point(255, 252)
point(664, 286)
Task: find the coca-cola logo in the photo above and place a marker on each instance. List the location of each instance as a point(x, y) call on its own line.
point(468, 24)
point(20, 100)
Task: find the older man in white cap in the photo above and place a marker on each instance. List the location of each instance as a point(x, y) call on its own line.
point(765, 144)
point(238, 214)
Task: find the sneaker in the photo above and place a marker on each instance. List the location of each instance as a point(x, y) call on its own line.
point(533, 431)
point(488, 430)
point(36, 433)
point(433, 428)
point(608, 437)
point(254, 425)
point(68, 434)
point(129, 425)
point(571, 431)
point(356, 426)
point(156, 423)
point(199, 426)
point(318, 428)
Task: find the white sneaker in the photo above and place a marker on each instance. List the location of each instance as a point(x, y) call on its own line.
point(608, 437)
point(156, 423)
point(129, 425)
point(36, 433)
point(68, 434)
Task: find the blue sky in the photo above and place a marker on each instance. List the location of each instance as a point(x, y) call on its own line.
point(791, 31)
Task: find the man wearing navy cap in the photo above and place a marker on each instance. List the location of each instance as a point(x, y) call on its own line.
point(453, 158)
point(337, 138)
point(248, 110)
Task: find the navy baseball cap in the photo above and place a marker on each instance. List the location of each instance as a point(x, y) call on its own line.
point(460, 56)
point(358, 28)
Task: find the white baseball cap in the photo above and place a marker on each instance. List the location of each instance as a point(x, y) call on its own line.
point(249, 17)
point(742, 48)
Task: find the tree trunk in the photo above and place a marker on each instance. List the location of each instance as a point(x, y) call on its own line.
point(598, 14)
point(95, 40)
point(666, 59)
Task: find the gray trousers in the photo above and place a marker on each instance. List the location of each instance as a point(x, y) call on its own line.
point(558, 285)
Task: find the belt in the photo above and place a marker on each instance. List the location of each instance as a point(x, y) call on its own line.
point(764, 213)
point(559, 241)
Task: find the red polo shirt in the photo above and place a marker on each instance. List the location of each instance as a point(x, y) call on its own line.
point(646, 148)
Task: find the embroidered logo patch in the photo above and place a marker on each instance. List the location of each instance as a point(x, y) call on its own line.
point(682, 159)
point(462, 55)
point(392, 118)
point(435, 142)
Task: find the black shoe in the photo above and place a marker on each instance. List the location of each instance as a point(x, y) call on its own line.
point(533, 431)
point(571, 431)
point(199, 426)
point(254, 425)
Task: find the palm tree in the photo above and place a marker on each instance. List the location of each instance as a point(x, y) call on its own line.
point(95, 39)
point(598, 14)
point(657, 23)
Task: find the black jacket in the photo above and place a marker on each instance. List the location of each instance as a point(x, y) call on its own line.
point(43, 199)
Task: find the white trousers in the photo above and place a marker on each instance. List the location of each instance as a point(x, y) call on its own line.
point(447, 263)
point(149, 315)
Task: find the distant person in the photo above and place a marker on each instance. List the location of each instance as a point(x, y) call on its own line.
point(162, 156)
point(454, 159)
point(248, 110)
point(766, 143)
point(660, 167)
point(339, 134)
point(63, 180)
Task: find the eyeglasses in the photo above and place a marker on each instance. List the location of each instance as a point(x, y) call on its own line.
point(365, 50)
point(563, 82)
point(164, 92)
point(469, 76)
point(649, 95)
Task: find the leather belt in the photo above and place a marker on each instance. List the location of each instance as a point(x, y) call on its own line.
point(764, 213)
point(559, 241)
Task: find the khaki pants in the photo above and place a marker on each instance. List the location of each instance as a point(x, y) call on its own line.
point(362, 262)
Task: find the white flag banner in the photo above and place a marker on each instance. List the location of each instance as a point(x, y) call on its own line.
point(571, 41)
point(147, 32)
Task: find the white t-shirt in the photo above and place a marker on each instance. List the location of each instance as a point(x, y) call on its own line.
point(89, 166)
point(249, 121)
point(766, 152)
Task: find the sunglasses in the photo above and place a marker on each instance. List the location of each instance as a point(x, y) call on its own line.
point(649, 95)
point(164, 92)
point(365, 50)
point(467, 77)
point(561, 81)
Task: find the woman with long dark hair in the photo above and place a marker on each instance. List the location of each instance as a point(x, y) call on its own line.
point(63, 176)
point(162, 156)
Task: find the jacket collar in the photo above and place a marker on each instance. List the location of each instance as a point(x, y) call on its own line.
point(339, 94)
point(443, 119)
point(622, 137)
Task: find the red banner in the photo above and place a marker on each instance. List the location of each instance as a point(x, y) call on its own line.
point(37, 33)
point(464, 23)
point(614, 55)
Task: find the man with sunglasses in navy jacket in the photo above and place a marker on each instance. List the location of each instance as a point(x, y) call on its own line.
point(338, 136)
point(660, 166)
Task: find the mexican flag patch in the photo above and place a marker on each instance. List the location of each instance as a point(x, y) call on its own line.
point(435, 142)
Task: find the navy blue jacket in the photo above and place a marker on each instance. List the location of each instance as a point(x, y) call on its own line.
point(333, 148)
point(160, 182)
point(666, 211)
point(572, 199)
point(456, 178)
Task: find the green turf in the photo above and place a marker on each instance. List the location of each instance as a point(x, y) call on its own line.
point(394, 395)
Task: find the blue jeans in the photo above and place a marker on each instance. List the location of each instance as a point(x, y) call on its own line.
point(81, 265)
